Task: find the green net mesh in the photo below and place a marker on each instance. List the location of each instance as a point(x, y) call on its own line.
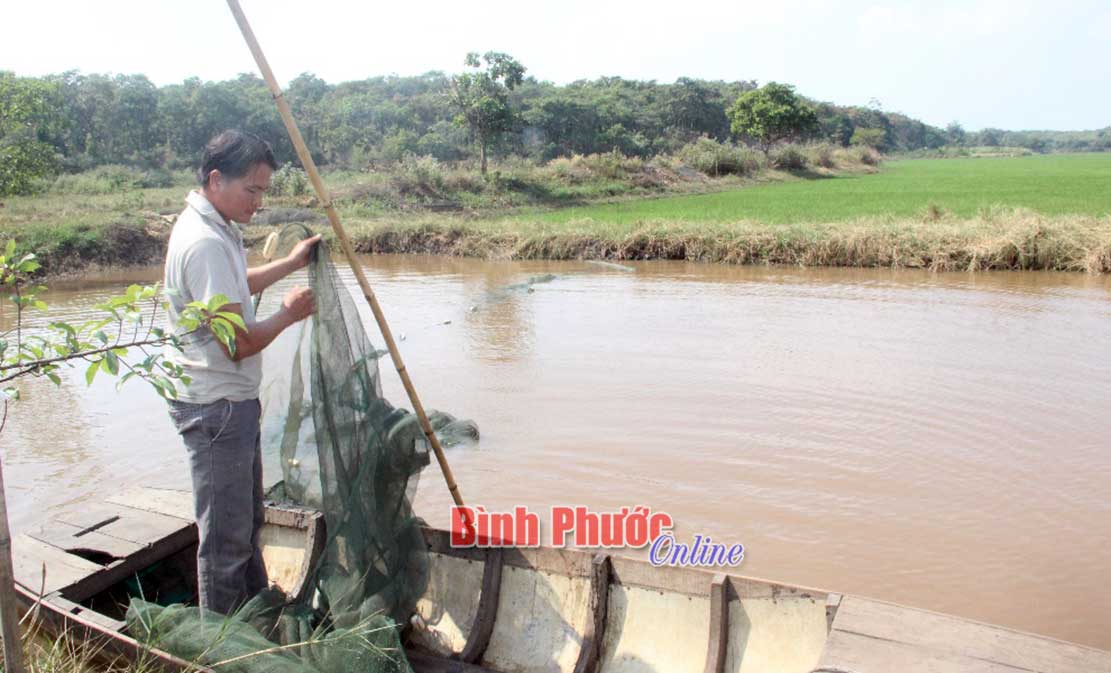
point(345, 450)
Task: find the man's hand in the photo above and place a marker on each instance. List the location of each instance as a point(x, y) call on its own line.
point(299, 303)
point(299, 255)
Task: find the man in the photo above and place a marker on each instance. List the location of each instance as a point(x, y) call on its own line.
point(217, 415)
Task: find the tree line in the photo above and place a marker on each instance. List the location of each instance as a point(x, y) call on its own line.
point(73, 121)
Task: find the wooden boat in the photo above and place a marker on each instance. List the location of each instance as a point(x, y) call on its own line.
point(520, 610)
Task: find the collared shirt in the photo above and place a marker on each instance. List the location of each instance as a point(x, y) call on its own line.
point(206, 258)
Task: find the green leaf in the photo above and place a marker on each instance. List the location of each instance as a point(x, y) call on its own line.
point(111, 363)
point(216, 302)
point(233, 318)
point(54, 377)
point(11, 394)
point(39, 304)
point(157, 332)
point(90, 373)
point(63, 327)
point(124, 379)
point(225, 334)
point(10, 248)
point(101, 336)
point(164, 386)
point(94, 324)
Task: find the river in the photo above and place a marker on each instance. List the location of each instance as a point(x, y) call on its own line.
point(937, 440)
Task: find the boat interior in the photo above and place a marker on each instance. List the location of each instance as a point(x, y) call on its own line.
point(524, 610)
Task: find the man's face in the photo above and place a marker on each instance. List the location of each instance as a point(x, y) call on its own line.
point(238, 198)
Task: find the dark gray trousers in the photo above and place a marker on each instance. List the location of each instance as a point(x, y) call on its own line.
point(222, 439)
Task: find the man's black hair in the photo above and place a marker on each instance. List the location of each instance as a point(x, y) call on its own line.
point(234, 153)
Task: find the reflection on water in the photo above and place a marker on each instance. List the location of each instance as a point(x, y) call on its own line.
point(935, 440)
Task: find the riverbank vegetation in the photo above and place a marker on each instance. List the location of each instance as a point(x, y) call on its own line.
point(115, 215)
point(95, 168)
point(995, 239)
point(72, 122)
point(712, 202)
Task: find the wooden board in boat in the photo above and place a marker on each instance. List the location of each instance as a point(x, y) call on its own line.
point(871, 636)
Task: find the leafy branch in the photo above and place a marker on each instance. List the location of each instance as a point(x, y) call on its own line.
point(107, 343)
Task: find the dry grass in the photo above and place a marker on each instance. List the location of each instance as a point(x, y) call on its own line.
point(999, 238)
point(69, 653)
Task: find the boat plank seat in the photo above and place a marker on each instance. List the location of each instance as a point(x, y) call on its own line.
point(88, 549)
point(42, 568)
point(870, 636)
point(124, 523)
point(289, 557)
point(169, 502)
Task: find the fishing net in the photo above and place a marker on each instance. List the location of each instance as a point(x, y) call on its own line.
point(344, 450)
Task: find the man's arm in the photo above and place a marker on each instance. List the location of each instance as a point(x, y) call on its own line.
point(297, 305)
point(261, 277)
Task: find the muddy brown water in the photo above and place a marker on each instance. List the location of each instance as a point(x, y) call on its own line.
point(937, 440)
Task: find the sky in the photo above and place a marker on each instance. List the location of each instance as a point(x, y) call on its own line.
point(1011, 64)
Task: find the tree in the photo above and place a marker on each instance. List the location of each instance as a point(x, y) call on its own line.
point(105, 344)
point(955, 134)
point(482, 97)
point(30, 118)
point(771, 114)
point(305, 93)
point(697, 108)
point(874, 138)
point(990, 137)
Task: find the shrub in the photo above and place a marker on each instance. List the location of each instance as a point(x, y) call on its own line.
point(867, 155)
point(714, 158)
point(869, 137)
point(788, 158)
point(289, 181)
point(420, 177)
point(821, 154)
point(424, 170)
point(568, 169)
point(612, 165)
point(155, 178)
point(463, 181)
point(110, 179)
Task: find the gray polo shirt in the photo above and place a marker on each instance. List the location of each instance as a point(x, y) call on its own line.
point(205, 258)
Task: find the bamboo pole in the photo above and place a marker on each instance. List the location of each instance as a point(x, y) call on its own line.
point(9, 616)
point(345, 243)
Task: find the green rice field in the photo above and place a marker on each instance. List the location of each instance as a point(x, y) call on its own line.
point(1057, 184)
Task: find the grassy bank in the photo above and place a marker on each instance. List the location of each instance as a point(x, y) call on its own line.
point(1047, 184)
point(114, 216)
point(1040, 212)
point(996, 239)
point(108, 217)
point(833, 208)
